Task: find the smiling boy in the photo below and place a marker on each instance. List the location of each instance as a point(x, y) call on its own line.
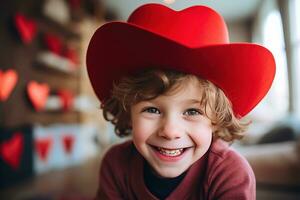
point(171, 131)
point(174, 82)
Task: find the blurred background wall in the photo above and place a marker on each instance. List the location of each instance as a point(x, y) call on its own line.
point(52, 134)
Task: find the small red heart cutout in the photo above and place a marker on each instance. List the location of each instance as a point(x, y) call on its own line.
point(8, 81)
point(67, 99)
point(68, 142)
point(38, 94)
point(43, 146)
point(53, 43)
point(72, 55)
point(11, 150)
point(26, 27)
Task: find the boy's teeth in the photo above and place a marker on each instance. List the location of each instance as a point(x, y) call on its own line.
point(170, 152)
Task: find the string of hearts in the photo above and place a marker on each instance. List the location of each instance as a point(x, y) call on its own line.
point(60, 56)
point(44, 145)
point(8, 81)
point(38, 93)
point(26, 27)
point(12, 149)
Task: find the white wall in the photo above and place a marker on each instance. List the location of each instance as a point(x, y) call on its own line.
point(239, 31)
point(233, 10)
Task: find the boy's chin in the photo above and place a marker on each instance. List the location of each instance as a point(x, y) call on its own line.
point(169, 172)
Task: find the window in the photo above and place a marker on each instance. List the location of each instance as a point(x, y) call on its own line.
point(296, 11)
point(295, 45)
point(276, 103)
point(273, 39)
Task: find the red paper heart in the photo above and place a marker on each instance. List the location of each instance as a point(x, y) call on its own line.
point(26, 27)
point(38, 94)
point(11, 150)
point(8, 81)
point(43, 146)
point(67, 99)
point(68, 142)
point(72, 55)
point(53, 43)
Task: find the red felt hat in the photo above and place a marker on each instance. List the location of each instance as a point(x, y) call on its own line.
point(194, 40)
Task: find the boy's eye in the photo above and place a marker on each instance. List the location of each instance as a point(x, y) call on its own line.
point(151, 110)
point(192, 111)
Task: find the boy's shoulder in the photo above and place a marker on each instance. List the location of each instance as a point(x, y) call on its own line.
point(222, 152)
point(228, 173)
point(223, 158)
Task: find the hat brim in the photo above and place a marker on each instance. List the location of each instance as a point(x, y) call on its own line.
point(243, 71)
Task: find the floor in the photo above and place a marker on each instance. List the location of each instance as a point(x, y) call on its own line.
point(79, 182)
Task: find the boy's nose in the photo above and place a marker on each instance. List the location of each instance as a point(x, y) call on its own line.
point(170, 130)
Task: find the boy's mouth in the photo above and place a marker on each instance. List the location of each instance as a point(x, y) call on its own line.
point(169, 152)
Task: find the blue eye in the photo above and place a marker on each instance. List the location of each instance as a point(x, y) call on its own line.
point(192, 112)
point(152, 110)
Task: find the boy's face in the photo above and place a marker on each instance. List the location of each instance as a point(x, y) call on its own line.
point(172, 131)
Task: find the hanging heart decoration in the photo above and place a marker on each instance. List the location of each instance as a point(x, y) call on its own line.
point(56, 45)
point(38, 94)
point(8, 81)
point(72, 55)
point(66, 98)
point(53, 43)
point(11, 150)
point(26, 27)
point(43, 147)
point(68, 143)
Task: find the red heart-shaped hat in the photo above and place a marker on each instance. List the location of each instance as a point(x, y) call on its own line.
point(194, 40)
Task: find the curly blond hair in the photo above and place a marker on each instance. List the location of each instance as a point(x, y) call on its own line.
point(151, 83)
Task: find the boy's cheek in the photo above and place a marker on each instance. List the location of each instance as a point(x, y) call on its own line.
point(202, 138)
point(143, 125)
point(140, 134)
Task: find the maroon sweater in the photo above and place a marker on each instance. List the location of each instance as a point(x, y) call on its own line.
point(221, 174)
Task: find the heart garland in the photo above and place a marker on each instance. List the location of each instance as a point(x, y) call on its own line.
point(8, 81)
point(38, 94)
point(53, 43)
point(68, 143)
point(43, 146)
point(72, 55)
point(67, 99)
point(11, 150)
point(26, 27)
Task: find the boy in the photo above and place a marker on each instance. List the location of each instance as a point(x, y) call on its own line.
point(173, 81)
